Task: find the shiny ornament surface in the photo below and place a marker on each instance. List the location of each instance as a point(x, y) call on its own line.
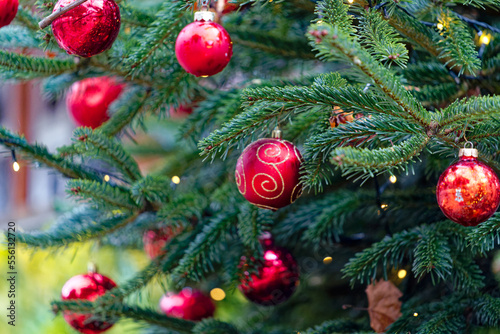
point(181, 111)
point(189, 304)
point(87, 287)
point(88, 100)
point(277, 278)
point(87, 29)
point(203, 48)
point(267, 173)
point(155, 241)
point(8, 11)
point(468, 192)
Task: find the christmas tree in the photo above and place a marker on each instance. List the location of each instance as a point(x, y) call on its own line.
point(359, 106)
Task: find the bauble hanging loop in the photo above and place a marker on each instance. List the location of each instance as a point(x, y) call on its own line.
point(468, 192)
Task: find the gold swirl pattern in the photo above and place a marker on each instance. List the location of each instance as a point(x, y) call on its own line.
point(272, 167)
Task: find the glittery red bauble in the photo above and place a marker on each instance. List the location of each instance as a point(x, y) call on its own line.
point(267, 173)
point(88, 100)
point(8, 10)
point(203, 48)
point(277, 278)
point(155, 240)
point(468, 192)
point(87, 287)
point(87, 29)
point(189, 304)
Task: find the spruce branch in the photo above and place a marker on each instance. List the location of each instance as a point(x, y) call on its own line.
point(93, 143)
point(49, 19)
point(471, 110)
point(432, 256)
point(87, 229)
point(41, 154)
point(102, 193)
point(34, 67)
point(485, 236)
point(152, 189)
point(335, 45)
point(371, 162)
point(212, 326)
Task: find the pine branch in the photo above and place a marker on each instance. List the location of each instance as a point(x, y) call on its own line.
point(336, 13)
point(334, 327)
point(485, 236)
point(102, 193)
point(153, 189)
point(494, 4)
point(41, 154)
point(471, 110)
point(252, 222)
point(85, 229)
point(432, 256)
point(94, 143)
point(487, 310)
point(212, 326)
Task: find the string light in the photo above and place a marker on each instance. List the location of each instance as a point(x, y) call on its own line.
point(415, 314)
point(393, 179)
point(384, 206)
point(217, 294)
point(485, 39)
point(176, 179)
point(106, 178)
point(327, 260)
point(440, 26)
point(16, 167)
point(402, 273)
point(350, 1)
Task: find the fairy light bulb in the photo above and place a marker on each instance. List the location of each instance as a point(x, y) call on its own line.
point(217, 294)
point(440, 26)
point(393, 179)
point(176, 179)
point(106, 178)
point(485, 39)
point(402, 273)
point(16, 167)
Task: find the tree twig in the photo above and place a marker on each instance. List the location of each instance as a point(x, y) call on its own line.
point(48, 20)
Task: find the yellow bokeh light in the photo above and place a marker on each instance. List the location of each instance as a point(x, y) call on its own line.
point(176, 179)
point(217, 294)
point(484, 39)
point(440, 26)
point(327, 260)
point(106, 178)
point(350, 1)
point(393, 179)
point(402, 273)
point(384, 206)
point(16, 167)
point(415, 314)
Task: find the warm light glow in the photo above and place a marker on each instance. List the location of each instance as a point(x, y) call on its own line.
point(106, 178)
point(402, 273)
point(440, 26)
point(350, 1)
point(204, 76)
point(217, 294)
point(384, 206)
point(393, 179)
point(176, 179)
point(16, 167)
point(327, 260)
point(415, 314)
point(484, 39)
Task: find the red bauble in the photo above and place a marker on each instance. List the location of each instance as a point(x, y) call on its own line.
point(87, 29)
point(181, 111)
point(203, 48)
point(189, 304)
point(88, 287)
point(267, 173)
point(277, 279)
point(468, 192)
point(155, 241)
point(8, 10)
point(88, 100)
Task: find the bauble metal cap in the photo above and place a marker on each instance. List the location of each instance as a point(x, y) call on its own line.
point(204, 15)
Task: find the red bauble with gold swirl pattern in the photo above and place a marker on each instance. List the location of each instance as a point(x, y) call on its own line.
point(267, 173)
point(468, 192)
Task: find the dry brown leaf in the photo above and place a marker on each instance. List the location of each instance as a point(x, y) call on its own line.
point(384, 306)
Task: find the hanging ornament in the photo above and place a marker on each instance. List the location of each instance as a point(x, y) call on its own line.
point(268, 171)
point(189, 304)
point(87, 29)
point(277, 279)
point(87, 287)
point(8, 10)
point(468, 192)
point(203, 48)
point(156, 240)
point(181, 111)
point(88, 100)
